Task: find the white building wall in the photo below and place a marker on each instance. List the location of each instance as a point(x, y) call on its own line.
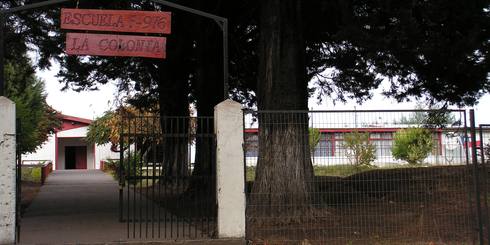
point(74, 133)
point(44, 153)
point(103, 152)
point(63, 142)
point(452, 152)
point(73, 137)
point(47, 152)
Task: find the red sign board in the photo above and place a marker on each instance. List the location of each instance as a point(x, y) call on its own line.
point(115, 45)
point(116, 20)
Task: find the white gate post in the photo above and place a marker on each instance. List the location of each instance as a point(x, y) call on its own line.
point(7, 171)
point(230, 183)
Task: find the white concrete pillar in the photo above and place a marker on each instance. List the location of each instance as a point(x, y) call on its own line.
point(7, 171)
point(230, 183)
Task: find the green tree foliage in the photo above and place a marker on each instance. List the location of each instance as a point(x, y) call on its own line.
point(360, 151)
point(412, 145)
point(100, 130)
point(107, 128)
point(400, 40)
point(314, 136)
point(37, 119)
point(429, 116)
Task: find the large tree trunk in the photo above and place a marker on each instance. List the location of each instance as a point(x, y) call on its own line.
point(173, 91)
point(284, 166)
point(208, 86)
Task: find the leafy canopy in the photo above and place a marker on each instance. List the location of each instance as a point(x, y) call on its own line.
point(108, 127)
point(437, 49)
point(429, 116)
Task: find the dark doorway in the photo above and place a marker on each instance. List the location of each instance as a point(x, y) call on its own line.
point(75, 157)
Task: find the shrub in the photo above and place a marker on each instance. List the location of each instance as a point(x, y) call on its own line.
point(134, 161)
point(31, 173)
point(412, 145)
point(111, 165)
point(314, 136)
point(359, 150)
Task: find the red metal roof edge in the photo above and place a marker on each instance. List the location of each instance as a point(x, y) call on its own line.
point(373, 129)
point(76, 119)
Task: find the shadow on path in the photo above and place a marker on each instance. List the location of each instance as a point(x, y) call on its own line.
point(74, 206)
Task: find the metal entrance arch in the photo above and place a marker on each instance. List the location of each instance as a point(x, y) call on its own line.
point(221, 21)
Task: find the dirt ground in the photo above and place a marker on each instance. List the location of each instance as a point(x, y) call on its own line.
point(29, 191)
point(429, 205)
point(407, 206)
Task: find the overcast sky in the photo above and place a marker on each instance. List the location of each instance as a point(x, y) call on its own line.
point(94, 103)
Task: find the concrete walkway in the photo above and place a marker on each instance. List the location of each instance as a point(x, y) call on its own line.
point(74, 207)
point(81, 207)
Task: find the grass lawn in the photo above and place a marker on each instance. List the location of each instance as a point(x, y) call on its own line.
point(343, 170)
point(143, 183)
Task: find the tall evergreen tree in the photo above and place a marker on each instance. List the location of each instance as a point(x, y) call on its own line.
point(37, 119)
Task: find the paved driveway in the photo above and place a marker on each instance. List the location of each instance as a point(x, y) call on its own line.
point(74, 207)
point(81, 207)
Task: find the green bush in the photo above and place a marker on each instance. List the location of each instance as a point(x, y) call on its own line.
point(359, 150)
point(111, 165)
point(31, 173)
point(412, 145)
point(314, 136)
point(132, 166)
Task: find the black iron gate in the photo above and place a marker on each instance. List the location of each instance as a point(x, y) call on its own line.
point(18, 184)
point(484, 179)
point(167, 177)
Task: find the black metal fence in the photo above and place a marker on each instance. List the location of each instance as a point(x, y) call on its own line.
point(359, 177)
point(167, 177)
point(484, 151)
point(18, 178)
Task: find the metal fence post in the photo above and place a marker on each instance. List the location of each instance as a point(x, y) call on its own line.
point(18, 127)
point(121, 178)
point(476, 173)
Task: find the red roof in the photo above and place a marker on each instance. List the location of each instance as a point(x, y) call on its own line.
point(76, 119)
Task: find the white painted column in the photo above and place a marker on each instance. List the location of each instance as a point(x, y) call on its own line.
point(7, 171)
point(230, 183)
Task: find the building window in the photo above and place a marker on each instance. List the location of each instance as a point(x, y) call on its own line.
point(437, 144)
point(339, 147)
point(251, 145)
point(383, 143)
point(324, 148)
